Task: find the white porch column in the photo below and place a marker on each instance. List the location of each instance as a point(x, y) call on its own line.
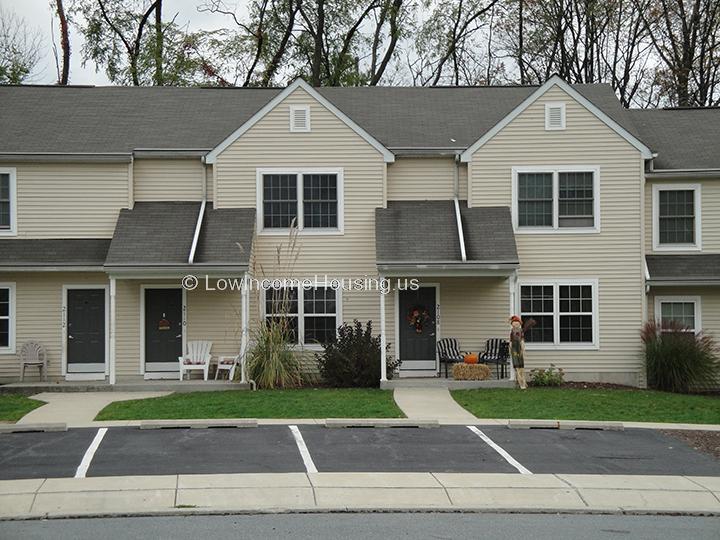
point(245, 326)
point(113, 325)
point(383, 340)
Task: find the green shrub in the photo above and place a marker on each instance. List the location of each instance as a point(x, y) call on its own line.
point(547, 377)
point(352, 359)
point(271, 362)
point(676, 358)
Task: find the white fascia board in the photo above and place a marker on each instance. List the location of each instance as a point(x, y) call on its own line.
point(555, 80)
point(388, 156)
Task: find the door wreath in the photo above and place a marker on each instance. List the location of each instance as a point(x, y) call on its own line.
point(417, 317)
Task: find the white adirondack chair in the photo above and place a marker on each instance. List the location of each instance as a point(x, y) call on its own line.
point(230, 364)
point(197, 357)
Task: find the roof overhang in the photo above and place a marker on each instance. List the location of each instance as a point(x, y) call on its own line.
point(682, 174)
point(683, 282)
point(49, 268)
point(199, 271)
point(388, 156)
point(172, 153)
point(57, 157)
point(448, 269)
point(556, 81)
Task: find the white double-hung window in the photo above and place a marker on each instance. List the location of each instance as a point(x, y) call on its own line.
point(7, 318)
point(312, 314)
point(677, 217)
point(565, 313)
point(8, 202)
point(681, 310)
point(556, 199)
point(309, 199)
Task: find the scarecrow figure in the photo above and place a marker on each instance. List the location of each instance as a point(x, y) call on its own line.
point(517, 349)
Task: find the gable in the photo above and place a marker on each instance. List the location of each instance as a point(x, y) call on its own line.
point(310, 97)
point(556, 86)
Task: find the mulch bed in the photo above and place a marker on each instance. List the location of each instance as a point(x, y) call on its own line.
point(595, 386)
point(707, 442)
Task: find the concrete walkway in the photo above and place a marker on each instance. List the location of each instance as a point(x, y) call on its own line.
point(298, 492)
point(431, 404)
point(77, 409)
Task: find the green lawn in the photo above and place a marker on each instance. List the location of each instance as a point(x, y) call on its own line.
point(590, 404)
point(14, 406)
point(304, 403)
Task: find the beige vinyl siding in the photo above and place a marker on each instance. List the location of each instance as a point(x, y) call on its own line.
point(613, 256)
point(209, 182)
point(127, 329)
point(710, 216)
point(331, 143)
point(472, 310)
point(70, 200)
point(168, 179)
point(425, 179)
point(38, 314)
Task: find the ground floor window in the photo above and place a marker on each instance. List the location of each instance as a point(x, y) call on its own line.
point(313, 315)
point(564, 311)
point(683, 310)
point(7, 317)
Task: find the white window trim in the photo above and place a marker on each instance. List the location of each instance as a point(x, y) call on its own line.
point(556, 283)
point(301, 345)
point(12, 231)
point(550, 105)
point(293, 127)
point(556, 170)
point(697, 189)
point(10, 349)
point(659, 300)
point(299, 172)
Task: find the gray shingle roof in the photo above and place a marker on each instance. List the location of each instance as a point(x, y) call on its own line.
point(682, 138)
point(154, 233)
point(226, 236)
point(488, 233)
point(161, 233)
point(53, 252)
point(426, 232)
point(686, 268)
point(120, 119)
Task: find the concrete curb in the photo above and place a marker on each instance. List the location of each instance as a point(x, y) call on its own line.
point(23, 428)
point(565, 424)
point(380, 423)
point(199, 424)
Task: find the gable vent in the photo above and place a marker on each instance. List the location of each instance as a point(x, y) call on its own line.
point(299, 118)
point(554, 116)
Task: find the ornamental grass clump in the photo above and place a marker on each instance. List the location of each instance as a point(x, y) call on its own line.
point(271, 362)
point(677, 359)
point(352, 359)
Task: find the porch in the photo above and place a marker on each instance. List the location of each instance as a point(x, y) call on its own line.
point(452, 274)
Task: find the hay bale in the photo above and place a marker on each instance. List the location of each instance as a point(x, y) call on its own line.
point(470, 372)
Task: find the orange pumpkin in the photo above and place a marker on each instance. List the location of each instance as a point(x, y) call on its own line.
point(471, 358)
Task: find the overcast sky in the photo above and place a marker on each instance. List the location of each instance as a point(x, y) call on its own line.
point(38, 15)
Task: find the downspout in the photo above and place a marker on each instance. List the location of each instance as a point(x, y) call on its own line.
point(201, 214)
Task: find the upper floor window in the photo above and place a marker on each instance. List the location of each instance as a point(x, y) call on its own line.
point(683, 310)
point(676, 217)
point(311, 199)
point(312, 314)
point(565, 313)
point(7, 202)
point(564, 199)
point(7, 318)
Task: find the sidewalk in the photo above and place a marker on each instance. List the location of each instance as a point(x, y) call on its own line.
point(322, 492)
point(77, 409)
point(431, 404)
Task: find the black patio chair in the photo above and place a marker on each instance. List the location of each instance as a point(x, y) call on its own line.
point(497, 351)
point(449, 352)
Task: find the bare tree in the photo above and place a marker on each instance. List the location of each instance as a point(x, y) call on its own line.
point(64, 68)
point(19, 48)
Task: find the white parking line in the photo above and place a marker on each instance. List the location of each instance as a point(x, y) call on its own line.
point(90, 453)
point(500, 450)
point(304, 452)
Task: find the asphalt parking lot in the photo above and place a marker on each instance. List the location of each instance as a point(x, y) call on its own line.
point(130, 451)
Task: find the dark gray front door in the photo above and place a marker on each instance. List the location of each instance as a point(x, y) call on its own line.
point(86, 330)
point(417, 329)
point(163, 329)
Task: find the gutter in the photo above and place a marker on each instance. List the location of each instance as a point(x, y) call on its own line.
point(670, 174)
point(683, 282)
point(60, 157)
point(177, 153)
